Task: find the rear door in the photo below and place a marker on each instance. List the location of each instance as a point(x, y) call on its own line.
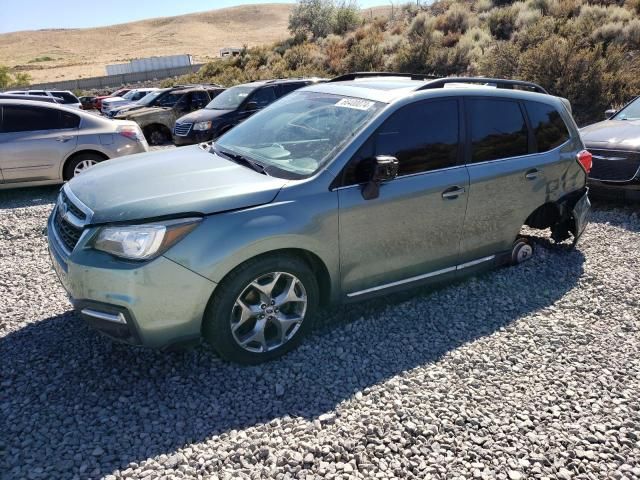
point(508, 178)
point(34, 141)
point(412, 231)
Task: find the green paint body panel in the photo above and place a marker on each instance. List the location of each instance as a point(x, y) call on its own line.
point(408, 232)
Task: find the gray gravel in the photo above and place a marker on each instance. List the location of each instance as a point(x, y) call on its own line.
point(526, 372)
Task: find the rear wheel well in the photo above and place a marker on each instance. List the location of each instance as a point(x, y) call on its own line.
point(148, 131)
point(315, 263)
point(545, 216)
point(78, 154)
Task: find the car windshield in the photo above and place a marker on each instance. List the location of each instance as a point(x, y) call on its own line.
point(149, 98)
point(297, 135)
point(129, 95)
point(230, 99)
point(630, 112)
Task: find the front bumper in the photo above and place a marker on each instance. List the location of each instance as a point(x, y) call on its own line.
point(621, 191)
point(155, 304)
point(192, 138)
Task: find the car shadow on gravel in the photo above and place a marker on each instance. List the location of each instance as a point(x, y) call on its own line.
point(28, 197)
point(77, 403)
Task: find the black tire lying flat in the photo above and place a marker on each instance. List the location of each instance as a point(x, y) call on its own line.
point(239, 309)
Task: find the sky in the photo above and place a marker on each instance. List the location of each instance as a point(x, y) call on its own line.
point(18, 15)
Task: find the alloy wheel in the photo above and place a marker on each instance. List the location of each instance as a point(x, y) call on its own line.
point(268, 312)
point(82, 166)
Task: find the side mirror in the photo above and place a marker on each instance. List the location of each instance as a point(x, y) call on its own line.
point(385, 169)
point(609, 113)
point(250, 106)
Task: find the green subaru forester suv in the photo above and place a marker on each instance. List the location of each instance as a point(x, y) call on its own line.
point(337, 192)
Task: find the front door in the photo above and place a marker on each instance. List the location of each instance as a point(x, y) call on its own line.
point(412, 231)
point(34, 140)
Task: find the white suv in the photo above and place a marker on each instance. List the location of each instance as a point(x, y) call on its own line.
point(64, 97)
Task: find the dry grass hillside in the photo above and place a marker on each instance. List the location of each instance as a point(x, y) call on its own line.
point(78, 53)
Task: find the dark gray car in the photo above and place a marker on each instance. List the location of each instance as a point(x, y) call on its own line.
point(615, 145)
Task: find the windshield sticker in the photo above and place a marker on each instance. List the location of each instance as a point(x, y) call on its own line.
point(356, 103)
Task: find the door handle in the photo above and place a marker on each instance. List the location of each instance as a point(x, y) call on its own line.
point(64, 138)
point(453, 192)
point(532, 174)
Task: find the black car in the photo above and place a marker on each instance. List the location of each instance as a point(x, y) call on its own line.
point(615, 145)
point(232, 107)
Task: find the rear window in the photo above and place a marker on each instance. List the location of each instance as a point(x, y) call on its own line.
point(29, 119)
point(66, 97)
point(498, 129)
point(548, 127)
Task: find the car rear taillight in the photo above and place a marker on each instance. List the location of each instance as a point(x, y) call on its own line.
point(585, 159)
point(131, 131)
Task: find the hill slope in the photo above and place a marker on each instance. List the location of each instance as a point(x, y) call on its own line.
point(78, 53)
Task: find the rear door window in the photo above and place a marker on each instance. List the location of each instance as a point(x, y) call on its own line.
point(498, 129)
point(199, 99)
point(29, 119)
point(548, 127)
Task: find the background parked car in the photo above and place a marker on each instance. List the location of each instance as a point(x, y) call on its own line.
point(110, 106)
point(118, 93)
point(158, 119)
point(44, 143)
point(37, 98)
point(66, 97)
point(88, 102)
point(231, 107)
point(615, 145)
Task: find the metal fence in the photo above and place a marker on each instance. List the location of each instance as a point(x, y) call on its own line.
point(117, 80)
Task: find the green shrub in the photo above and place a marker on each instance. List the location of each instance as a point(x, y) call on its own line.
point(502, 23)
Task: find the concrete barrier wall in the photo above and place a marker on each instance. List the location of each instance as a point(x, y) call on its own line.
point(110, 81)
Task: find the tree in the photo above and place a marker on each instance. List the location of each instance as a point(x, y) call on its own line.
point(312, 17)
point(346, 17)
point(7, 79)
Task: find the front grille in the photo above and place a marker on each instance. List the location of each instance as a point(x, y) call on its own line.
point(72, 207)
point(68, 234)
point(614, 165)
point(182, 129)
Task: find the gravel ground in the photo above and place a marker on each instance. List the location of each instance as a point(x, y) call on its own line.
point(526, 372)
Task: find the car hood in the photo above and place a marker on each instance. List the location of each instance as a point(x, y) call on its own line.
point(113, 99)
point(203, 115)
point(623, 134)
point(182, 181)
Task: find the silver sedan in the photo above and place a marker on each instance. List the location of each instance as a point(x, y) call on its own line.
point(43, 143)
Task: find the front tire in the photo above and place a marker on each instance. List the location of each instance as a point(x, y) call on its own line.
point(262, 309)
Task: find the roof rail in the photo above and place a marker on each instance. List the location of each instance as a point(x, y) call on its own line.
point(498, 82)
point(352, 76)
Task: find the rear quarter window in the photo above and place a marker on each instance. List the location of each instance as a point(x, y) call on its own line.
point(548, 127)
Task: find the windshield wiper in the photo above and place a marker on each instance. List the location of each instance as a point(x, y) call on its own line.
point(241, 159)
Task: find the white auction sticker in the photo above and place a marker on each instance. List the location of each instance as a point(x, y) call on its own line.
point(356, 103)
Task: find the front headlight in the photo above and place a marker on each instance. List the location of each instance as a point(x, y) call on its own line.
point(142, 242)
point(200, 126)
